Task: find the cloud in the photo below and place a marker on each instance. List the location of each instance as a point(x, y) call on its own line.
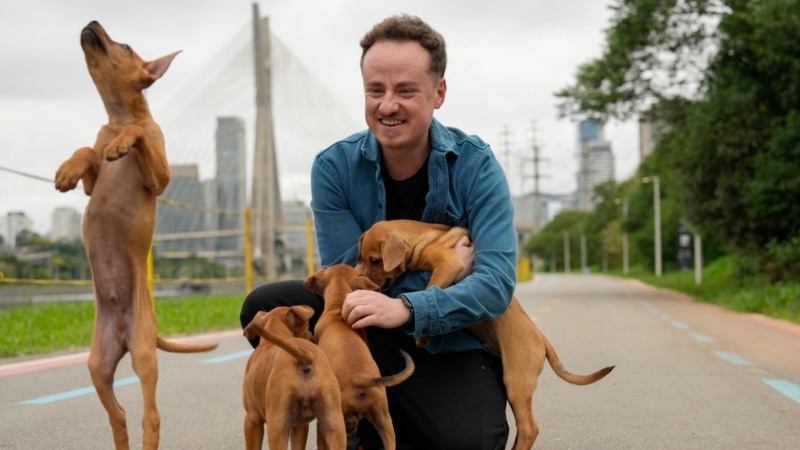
point(506, 59)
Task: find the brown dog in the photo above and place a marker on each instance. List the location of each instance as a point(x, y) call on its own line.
point(118, 224)
point(363, 388)
point(390, 248)
point(288, 382)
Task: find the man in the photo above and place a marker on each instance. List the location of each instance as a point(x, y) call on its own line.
point(407, 165)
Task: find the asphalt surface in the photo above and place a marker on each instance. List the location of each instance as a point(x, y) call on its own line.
point(687, 376)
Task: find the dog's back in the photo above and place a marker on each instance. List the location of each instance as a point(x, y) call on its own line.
point(362, 386)
point(288, 382)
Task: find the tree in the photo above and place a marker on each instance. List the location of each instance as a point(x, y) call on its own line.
point(731, 122)
point(743, 156)
point(548, 244)
point(655, 50)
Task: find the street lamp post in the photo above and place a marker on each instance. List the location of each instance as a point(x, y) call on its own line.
point(625, 260)
point(656, 219)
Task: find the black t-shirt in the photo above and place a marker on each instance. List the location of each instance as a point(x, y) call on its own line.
point(406, 199)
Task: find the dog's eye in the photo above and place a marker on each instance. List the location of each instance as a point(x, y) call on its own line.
point(375, 261)
point(125, 47)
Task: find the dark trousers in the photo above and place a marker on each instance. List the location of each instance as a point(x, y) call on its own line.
point(452, 401)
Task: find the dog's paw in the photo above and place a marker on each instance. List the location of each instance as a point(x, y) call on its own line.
point(67, 178)
point(114, 152)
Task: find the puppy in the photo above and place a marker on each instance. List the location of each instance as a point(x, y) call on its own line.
point(288, 382)
point(363, 388)
point(390, 248)
point(123, 174)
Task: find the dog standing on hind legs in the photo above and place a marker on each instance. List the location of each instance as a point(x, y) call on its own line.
point(122, 174)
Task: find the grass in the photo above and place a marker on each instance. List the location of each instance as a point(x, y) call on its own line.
point(46, 328)
point(41, 329)
point(723, 286)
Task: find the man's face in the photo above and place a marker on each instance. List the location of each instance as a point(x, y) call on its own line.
point(400, 94)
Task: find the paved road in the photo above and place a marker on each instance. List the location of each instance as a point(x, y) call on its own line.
point(688, 376)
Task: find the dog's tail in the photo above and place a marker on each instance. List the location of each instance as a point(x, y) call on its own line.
point(302, 355)
point(176, 347)
point(399, 377)
point(566, 375)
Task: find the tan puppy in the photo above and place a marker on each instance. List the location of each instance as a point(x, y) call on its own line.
point(288, 382)
point(363, 388)
point(118, 224)
point(390, 248)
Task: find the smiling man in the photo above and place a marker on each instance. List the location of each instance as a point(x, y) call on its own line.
point(407, 165)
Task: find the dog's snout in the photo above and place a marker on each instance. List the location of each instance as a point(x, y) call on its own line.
point(90, 37)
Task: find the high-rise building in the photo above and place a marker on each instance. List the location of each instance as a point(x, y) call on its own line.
point(178, 216)
point(66, 224)
point(15, 223)
point(231, 180)
point(596, 163)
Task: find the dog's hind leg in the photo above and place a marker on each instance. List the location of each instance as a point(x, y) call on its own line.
point(522, 407)
point(380, 418)
point(104, 356)
point(145, 364)
point(520, 379)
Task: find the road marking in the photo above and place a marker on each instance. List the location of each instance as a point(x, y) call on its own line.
point(679, 325)
point(651, 308)
point(786, 388)
point(51, 362)
point(732, 358)
point(41, 364)
point(75, 393)
point(228, 357)
point(701, 337)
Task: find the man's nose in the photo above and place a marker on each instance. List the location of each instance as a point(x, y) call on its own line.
point(389, 105)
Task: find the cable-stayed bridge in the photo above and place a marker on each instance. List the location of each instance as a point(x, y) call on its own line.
point(302, 118)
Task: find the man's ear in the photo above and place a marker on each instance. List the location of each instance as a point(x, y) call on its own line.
point(441, 91)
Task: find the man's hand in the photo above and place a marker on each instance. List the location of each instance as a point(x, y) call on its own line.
point(466, 252)
point(363, 308)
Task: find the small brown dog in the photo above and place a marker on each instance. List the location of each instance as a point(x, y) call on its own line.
point(288, 382)
point(363, 388)
point(118, 224)
point(390, 248)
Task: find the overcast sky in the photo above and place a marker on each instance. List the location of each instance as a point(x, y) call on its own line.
point(506, 59)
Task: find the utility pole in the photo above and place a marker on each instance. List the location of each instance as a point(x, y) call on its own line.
point(625, 249)
point(506, 153)
point(537, 194)
point(583, 253)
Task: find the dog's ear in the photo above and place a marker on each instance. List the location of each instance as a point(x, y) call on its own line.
point(301, 313)
point(394, 252)
point(256, 324)
point(311, 282)
point(156, 68)
point(361, 243)
point(363, 282)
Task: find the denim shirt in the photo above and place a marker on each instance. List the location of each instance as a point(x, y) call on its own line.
point(467, 187)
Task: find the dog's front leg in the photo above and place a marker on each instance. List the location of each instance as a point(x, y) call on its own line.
point(82, 165)
point(149, 153)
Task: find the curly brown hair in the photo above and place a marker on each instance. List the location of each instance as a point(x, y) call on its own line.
point(409, 28)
